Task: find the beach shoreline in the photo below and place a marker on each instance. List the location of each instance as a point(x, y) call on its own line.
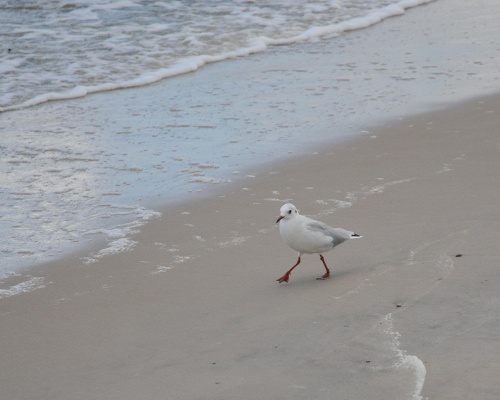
point(134, 150)
point(190, 307)
point(193, 311)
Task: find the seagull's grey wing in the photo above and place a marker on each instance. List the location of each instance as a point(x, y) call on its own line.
point(338, 235)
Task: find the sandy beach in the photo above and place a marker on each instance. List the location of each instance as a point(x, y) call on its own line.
point(193, 311)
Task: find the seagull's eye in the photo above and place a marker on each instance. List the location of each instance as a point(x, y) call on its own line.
point(289, 211)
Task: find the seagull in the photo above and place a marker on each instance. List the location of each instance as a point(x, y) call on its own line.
point(308, 236)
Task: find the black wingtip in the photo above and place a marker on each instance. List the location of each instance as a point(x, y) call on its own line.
point(356, 235)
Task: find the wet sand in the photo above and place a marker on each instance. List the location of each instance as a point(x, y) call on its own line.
point(194, 312)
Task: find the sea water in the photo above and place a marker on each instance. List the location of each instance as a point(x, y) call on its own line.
point(64, 49)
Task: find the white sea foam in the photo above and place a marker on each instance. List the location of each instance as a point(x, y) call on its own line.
point(181, 259)
point(120, 243)
point(377, 189)
point(208, 166)
point(236, 241)
point(160, 269)
point(205, 179)
point(24, 287)
point(403, 360)
point(278, 200)
point(114, 247)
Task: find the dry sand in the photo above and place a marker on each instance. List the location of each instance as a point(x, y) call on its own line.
point(194, 312)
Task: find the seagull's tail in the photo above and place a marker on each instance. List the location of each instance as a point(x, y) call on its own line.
point(355, 236)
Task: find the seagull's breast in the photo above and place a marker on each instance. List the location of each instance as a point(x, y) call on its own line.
point(300, 238)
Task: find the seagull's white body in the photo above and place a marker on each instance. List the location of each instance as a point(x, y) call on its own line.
point(308, 236)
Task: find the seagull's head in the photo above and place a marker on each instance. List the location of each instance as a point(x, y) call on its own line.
point(287, 211)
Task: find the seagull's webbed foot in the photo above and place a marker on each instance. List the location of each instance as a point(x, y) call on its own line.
point(285, 277)
point(326, 276)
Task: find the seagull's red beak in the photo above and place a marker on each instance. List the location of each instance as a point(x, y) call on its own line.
point(280, 218)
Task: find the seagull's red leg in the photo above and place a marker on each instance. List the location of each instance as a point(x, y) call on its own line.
point(327, 275)
point(285, 277)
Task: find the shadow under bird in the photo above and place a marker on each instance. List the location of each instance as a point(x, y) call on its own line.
point(308, 236)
